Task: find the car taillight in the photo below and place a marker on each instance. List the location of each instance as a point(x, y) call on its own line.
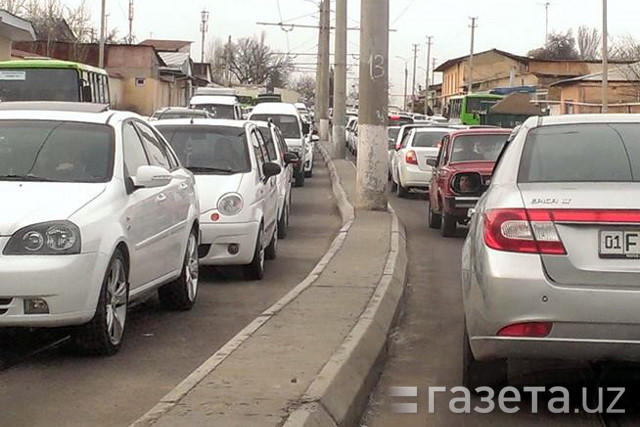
point(529, 329)
point(411, 157)
point(519, 230)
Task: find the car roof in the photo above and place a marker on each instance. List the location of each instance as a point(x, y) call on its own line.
point(275, 108)
point(65, 111)
point(481, 131)
point(427, 129)
point(72, 107)
point(212, 99)
point(165, 109)
point(202, 122)
point(587, 118)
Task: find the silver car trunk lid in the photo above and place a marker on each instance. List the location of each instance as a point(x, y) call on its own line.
point(584, 215)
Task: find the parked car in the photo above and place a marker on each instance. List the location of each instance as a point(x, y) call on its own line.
point(351, 121)
point(462, 172)
point(550, 264)
point(97, 213)
point(399, 119)
point(180, 113)
point(218, 106)
point(279, 153)
point(410, 169)
point(352, 142)
point(237, 188)
point(392, 134)
point(295, 132)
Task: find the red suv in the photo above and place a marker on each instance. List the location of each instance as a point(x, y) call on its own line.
point(461, 173)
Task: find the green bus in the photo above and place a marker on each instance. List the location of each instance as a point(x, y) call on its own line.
point(467, 108)
point(53, 80)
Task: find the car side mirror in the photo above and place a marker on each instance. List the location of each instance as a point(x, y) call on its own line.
point(431, 162)
point(306, 128)
point(271, 169)
point(151, 177)
point(315, 138)
point(291, 158)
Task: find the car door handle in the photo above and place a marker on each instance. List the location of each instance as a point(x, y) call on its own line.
point(161, 198)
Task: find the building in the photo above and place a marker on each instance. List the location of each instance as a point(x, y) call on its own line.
point(496, 68)
point(584, 94)
point(13, 29)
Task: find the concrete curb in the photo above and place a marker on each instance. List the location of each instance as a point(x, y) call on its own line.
point(172, 398)
point(338, 395)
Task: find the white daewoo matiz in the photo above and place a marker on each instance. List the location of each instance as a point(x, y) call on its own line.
point(236, 186)
point(96, 213)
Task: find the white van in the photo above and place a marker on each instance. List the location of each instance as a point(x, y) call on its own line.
point(219, 106)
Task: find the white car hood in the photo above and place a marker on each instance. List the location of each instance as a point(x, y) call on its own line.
point(26, 203)
point(212, 187)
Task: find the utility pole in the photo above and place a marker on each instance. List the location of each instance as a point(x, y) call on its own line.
point(546, 23)
point(371, 180)
point(323, 94)
point(318, 101)
point(413, 84)
point(103, 24)
point(473, 39)
point(204, 27)
point(340, 81)
point(605, 59)
point(130, 21)
point(229, 62)
point(426, 90)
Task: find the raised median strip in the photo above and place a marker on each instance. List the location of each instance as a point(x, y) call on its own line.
point(313, 356)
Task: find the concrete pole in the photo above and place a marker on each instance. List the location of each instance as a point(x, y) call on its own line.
point(605, 59)
point(546, 23)
point(324, 93)
point(473, 39)
point(426, 90)
point(413, 85)
point(371, 180)
point(340, 81)
point(103, 25)
point(318, 101)
point(406, 79)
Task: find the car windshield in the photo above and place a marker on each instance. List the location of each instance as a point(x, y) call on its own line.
point(167, 115)
point(39, 84)
point(428, 139)
point(218, 111)
point(288, 124)
point(209, 149)
point(39, 150)
point(582, 153)
point(469, 148)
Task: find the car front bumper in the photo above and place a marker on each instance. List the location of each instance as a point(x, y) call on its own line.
point(588, 323)
point(69, 284)
point(216, 238)
point(459, 206)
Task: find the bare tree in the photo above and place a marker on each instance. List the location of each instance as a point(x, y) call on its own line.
point(305, 85)
point(589, 43)
point(625, 48)
point(13, 6)
point(560, 46)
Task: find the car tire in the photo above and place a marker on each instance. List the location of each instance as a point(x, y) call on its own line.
point(435, 219)
point(283, 222)
point(181, 294)
point(401, 191)
point(300, 179)
point(449, 225)
point(255, 270)
point(309, 173)
point(476, 374)
point(394, 186)
point(271, 251)
point(99, 336)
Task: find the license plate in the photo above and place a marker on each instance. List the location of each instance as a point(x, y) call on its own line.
point(620, 244)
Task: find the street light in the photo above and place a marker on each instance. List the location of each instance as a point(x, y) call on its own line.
point(204, 27)
point(406, 76)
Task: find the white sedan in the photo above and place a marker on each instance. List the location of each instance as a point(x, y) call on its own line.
point(409, 169)
point(97, 212)
point(237, 190)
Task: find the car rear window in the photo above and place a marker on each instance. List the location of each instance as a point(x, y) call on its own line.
point(209, 149)
point(595, 152)
point(288, 124)
point(428, 139)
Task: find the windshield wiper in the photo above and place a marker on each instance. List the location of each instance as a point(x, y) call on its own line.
point(211, 169)
point(26, 178)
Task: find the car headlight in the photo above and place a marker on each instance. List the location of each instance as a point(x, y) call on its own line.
point(47, 238)
point(230, 204)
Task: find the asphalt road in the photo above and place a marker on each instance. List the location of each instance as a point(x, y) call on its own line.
point(426, 349)
point(55, 387)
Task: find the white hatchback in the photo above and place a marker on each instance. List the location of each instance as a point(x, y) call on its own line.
point(97, 212)
point(237, 189)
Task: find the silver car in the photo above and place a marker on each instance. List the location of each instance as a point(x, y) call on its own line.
point(551, 264)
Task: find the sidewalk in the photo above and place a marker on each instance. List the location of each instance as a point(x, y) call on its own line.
point(312, 358)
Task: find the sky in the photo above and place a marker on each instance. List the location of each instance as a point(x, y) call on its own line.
point(516, 26)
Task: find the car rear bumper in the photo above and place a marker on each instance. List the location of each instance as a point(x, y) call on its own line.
point(69, 284)
point(588, 323)
point(459, 206)
point(216, 238)
point(412, 176)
